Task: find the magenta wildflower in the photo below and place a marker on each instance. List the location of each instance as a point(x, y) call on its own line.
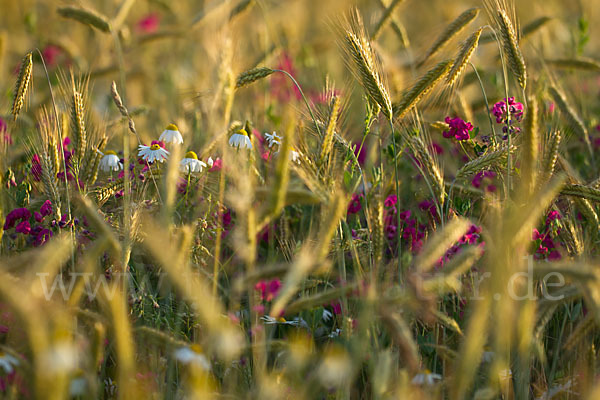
point(149, 23)
point(51, 54)
point(355, 205)
point(484, 177)
point(268, 290)
point(390, 201)
point(18, 214)
point(360, 152)
point(515, 109)
point(459, 129)
point(23, 227)
point(46, 208)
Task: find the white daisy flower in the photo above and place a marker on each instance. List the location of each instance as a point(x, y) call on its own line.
point(110, 161)
point(297, 321)
point(152, 153)
point(294, 156)
point(335, 333)
point(192, 355)
point(191, 163)
point(78, 385)
point(327, 315)
point(241, 140)
point(8, 362)
point(110, 386)
point(273, 139)
point(171, 135)
point(426, 379)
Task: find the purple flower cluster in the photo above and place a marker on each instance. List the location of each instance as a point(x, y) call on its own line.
point(472, 237)
point(18, 214)
point(459, 129)
point(21, 217)
point(546, 245)
point(515, 110)
point(484, 178)
point(514, 114)
point(355, 205)
point(412, 231)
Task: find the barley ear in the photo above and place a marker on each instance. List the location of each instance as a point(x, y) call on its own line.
point(385, 18)
point(464, 56)
point(327, 142)
point(253, 75)
point(571, 116)
point(511, 48)
point(531, 142)
point(366, 65)
point(450, 32)
point(78, 125)
point(86, 17)
point(421, 88)
point(121, 107)
point(550, 157)
point(23, 82)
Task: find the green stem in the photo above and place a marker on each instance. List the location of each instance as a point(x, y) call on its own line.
point(62, 150)
point(303, 97)
point(398, 221)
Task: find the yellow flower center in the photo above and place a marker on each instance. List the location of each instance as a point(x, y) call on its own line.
point(242, 132)
point(196, 348)
point(191, 154)
point(280, 319)
point(155, 147)
point(172, 127)
point(110, 152)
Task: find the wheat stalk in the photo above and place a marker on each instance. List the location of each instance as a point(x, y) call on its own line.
point(464, 56)
point(572, 117)
point(367, 67)
point(250, 76)
point(423, 86)
point(530, 154)
point(450, 32)
point(486, 161)
point(385, 18)
point(428, 165)
point(24, 80)
point(511, 48)
point(92, 173)
point(550, 156)
point(396, 26)
point(584, 64)
point(86, 17)
point(78, 123)
point(327, 142)
point(582, 191)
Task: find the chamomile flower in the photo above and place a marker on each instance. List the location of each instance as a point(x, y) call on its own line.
point(8, 362)
point(294, 156)
point(297, 321)
point(427, 378)
point(241, 140)
point(78, 384)
point(110, 162)
point(171, 135)
point(190, 163)
point(273, 139)
point(154, 152)
point(192, 355)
